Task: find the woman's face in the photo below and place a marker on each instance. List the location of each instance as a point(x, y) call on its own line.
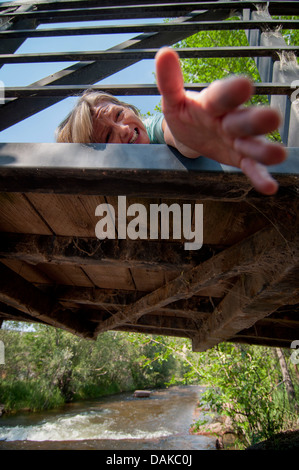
point(116, 124)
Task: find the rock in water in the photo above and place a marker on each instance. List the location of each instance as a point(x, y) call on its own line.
point(142, 393)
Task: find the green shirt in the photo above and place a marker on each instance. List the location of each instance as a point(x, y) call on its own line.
point(153, 125)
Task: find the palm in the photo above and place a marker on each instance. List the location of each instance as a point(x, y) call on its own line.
point(214, 124)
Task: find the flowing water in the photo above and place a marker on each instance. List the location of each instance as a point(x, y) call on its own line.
point(119, 422)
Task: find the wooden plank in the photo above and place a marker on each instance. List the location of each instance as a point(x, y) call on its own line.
point(146, 279)
point(226, 223)
point(149, 330)
point(107, 277)
point(156, 322)
point(269, 342)
point(287, 315)
point(263, 331)
point(253, 297)
point(177, 323)
point(87, 252)
point(27, 271)
point(67, 215)
point(117, 298)
point(9, 313)
point(22, 295)
point(96, 296)
point(18, 215)
point(66, 274)
point(243, 257)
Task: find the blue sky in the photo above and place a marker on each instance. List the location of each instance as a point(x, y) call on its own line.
point(41, 127)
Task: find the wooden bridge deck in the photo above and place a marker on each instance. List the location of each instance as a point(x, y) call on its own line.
point(241, 285)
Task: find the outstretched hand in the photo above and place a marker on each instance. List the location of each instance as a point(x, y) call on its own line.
point(213, 123)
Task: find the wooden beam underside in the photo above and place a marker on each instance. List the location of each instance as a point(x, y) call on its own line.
point(84, 251)
point(20, 294)
point(252, 298)
point(260, 271)
point(241, 286)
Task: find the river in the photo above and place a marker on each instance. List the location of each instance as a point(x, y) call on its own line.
point(118, 422)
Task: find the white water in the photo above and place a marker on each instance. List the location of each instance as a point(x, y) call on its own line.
point(82, 426)
point(75, 428)
point(161, 421)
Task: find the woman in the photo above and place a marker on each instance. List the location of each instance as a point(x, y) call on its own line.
point(211, 123)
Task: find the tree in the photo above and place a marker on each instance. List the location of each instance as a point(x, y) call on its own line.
point(287, 378)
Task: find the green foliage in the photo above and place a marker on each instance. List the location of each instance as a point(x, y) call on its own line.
point(206, 70)
point(29, 395)
point(243, 383)
point(47, 367)
point(291, 36)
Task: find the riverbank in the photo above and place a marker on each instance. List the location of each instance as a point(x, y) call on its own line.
point(221, 428)
point(287, 440)
point(212, 425)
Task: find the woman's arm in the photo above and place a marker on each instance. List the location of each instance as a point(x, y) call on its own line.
point(170, 140)
point(213, 123)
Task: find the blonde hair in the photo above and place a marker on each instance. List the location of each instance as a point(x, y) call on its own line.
point(77, 127)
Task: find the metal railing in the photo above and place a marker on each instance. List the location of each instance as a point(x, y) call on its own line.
point(19, 21)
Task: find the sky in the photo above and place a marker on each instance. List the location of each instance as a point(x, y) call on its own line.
point(41, 126)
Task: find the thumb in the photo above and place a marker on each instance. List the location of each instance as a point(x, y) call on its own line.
point(170, 79)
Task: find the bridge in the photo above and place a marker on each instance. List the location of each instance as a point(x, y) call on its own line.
point(224, 267)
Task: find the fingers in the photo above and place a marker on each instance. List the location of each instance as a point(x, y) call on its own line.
point(261, 150)
point(217, 99)
point(223, 96)
point(251, 121)
point(169, 77)
point(255, 154)
point(261, 180)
